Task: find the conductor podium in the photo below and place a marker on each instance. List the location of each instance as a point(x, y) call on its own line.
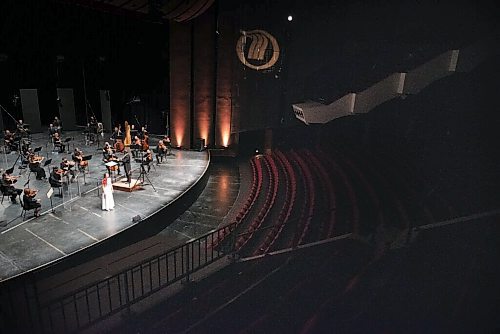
point(123, 185)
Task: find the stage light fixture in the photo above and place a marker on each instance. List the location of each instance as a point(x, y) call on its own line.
point(290, 18)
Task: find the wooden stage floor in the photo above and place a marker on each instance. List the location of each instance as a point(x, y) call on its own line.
point(78, 221)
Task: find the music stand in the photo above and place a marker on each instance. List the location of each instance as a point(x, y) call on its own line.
point(109, 165)
point(66, 142)
point(47, 163)
point(37, 149)
point(86, 158)
point(10, 170)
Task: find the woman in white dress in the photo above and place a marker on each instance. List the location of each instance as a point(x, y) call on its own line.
point(108, 203)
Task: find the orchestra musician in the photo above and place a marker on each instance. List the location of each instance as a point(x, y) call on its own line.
point(128, 139)
point(109, 156)
point(67, 166)
point(56, 140)
point(55, 178)
point(168, 143)
point(145, 140)
point(8, 188)
point(137, 145)
point(52, 130)
point(10, 141)
point(77, 157)
point(117, 133)
point(30, 202)
point(119, 146)
point(34, 165)
point(161, 151)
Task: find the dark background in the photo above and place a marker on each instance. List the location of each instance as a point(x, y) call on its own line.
point(52, 44)
point(330, 48)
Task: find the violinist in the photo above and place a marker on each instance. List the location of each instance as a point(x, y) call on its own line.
point(55, 178)
point(10, 141)
point(67, 166)
point(30, 202)
point(161, 151)
point(8, 188)
point(77, 157)
point(34, 165)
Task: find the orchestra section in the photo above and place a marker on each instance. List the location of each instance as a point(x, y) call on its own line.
point(57, 176)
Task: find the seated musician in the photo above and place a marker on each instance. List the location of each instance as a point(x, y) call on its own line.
point(8, 188)
point(109, 156)
point(67, 166)
point(168, 143)
point(145, 140)
point(117, 133)
point(56, 139)
point(52, 130)
point(77, 157)
point(137, 145)
point(30, 202)
point(34, 165)
point(147, 159)
point(55, 178)
point(161, 149)
point(9, 140)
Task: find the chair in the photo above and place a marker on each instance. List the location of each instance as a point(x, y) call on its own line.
point(25, 209)
point(4, 192)
point(56, 184)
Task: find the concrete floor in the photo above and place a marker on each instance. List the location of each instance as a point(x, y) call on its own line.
point(78, 221)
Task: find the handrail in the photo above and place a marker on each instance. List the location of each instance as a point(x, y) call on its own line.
point(96, 301)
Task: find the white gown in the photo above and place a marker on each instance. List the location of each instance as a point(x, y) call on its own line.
point(108, 202)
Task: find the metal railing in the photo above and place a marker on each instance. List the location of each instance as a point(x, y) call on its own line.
point(87, 305)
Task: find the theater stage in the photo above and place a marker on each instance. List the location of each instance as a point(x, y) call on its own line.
point(78, 222)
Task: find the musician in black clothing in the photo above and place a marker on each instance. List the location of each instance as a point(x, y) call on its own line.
point(10, 141)
point(34, 165)
point(8, 188)
point(126, 164)
point(55, 178)
point(30, 202)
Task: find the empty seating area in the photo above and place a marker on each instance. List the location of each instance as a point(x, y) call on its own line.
point(299, 195)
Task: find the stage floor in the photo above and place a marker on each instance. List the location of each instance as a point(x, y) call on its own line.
point(78, 221)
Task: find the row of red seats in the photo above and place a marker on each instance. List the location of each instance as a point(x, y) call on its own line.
point(286, 209)
point(257, 176)
point(272, 190)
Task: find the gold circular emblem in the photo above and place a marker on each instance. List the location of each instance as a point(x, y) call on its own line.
point(263, 51)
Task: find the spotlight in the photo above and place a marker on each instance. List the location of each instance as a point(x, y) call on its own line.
point(290, 18)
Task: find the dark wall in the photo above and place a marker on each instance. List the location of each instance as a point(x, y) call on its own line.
point(334, 47)
point(124, 54)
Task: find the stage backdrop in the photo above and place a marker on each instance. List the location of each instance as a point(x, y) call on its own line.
point(31, 110)
point(67, 108)
point(106, 110)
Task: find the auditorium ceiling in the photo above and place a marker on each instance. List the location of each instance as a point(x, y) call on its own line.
point(177, 10)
